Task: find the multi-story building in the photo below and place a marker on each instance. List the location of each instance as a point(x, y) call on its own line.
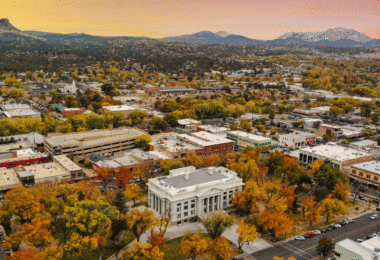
point(24, 159)
point(338, 156)
point(188, 194)
point(326, 129)
point(348, 249)
point(189, 124)
point(217, 130)
point(295, 140)
point(19, 110)
point(8, 179)
point(209, 143)
point(95, 141)
point(367, 172)
point(75, 171)
point(67, 112)
point(178, 146)
point(244, 139)
point(364, 145)
point(121, 108)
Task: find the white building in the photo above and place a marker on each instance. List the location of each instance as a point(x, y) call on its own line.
point(217, 130)
point(295, 140)
point(348, 249)
point(339, 156)
point(251, 116)
point(188, 193)
point(244, 139)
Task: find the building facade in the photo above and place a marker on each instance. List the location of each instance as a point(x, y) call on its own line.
point(188, 194)
point(338, 156)
point(67, 112)
point(95, 141)
point(367, 172)
point(295, 140)
point(246, 139)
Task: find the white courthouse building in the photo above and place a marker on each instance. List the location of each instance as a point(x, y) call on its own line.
point(189, 193)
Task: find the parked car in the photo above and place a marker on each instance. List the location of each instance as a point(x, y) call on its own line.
point(333, 227)
point(337, 225)
point(328, 229)
point(359, 240)
point(307, 236)
point(370, 236)
point(350, 220)
point(310, 233)
point(300, 238)
point(374, 216)
point(343, 223)
point(361, 197)
point(323, 230)
point(317, 232)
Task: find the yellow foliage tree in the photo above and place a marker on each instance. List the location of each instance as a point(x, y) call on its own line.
point(331, 206)
point(341, 191)
point(315, 166)
point(276, 222)
point(141, 251)
point(140, 221)
point(194, 244)
point(313, 215)
point(133, 192)
point(219, 249)
point(247, 233)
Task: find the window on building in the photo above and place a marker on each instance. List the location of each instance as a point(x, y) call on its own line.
point(368, 176)
point(179, 205)
point(179, 209)
point(224, 204)
point(185, 207)
point(231, 191)
point(230, 201)
point(192, 212)
point(193, 201)
point(179, 216)
point(376, 178)
point(205, 202)
point(360, 174)
point(185, 214)
point(193, 205)
point(186, 202)
point(353, 172)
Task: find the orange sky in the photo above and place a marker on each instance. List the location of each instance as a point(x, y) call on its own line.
point(258, 19)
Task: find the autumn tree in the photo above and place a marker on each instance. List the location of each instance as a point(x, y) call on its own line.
point(167, 165)
point(94, 216)
point(143, 141)
point(133, 192)
point(341, 191)
point(141, 251)
point(247, 199)
point(193, 160)
point(274, 161)
point(247, 233)
point(217, 223)
point(331, 206)
point(20, 203)
point(78, 246)
point(157, 239)
point(118, 241)
point(313, 215)
point(140, 221)
point(105, 175)
point(194, 245)
point(325, 247)
point(219, 249)
point(211, 160)
point(163, 221)
point(276, 222)
point(307, 203)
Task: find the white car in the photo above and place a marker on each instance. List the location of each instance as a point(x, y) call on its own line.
point(337, 225)
point(359, 240)
point(317, 232)
point(374, 216)
point(300, 238)
point(349, 220)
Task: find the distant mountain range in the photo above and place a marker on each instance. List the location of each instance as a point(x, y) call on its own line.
point(338, 37)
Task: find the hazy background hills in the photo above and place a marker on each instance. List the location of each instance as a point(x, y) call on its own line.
point(337, 37)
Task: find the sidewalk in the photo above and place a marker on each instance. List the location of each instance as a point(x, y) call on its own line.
point(178, 231)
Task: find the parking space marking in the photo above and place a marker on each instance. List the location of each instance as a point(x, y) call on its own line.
point(297, 251)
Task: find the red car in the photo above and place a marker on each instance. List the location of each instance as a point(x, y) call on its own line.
point(311, 233)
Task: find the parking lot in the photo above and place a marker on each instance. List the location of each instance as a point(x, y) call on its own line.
point(306, 249)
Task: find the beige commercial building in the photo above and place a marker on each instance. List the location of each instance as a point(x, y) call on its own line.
point(90, 142)
point(367, 172)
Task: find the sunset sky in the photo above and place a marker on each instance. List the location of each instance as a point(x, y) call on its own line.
point(258, 19)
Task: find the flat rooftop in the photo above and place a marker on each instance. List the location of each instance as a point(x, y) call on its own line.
point(47, 170)
point(214, 129)
point(94, 137)
point(120, 108)
point(203, 138)
point(176, 145)
point(364, 143)
point(334, 152)
point(188, 121)
point(8, 178)
point(66, 163)
point(250, 136)
point(371, 166)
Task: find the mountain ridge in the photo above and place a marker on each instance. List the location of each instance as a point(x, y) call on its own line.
point(334, 37)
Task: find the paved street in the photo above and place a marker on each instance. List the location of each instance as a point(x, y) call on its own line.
point(306, 250)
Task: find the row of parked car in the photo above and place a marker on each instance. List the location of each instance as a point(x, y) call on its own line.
point(326, 229)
